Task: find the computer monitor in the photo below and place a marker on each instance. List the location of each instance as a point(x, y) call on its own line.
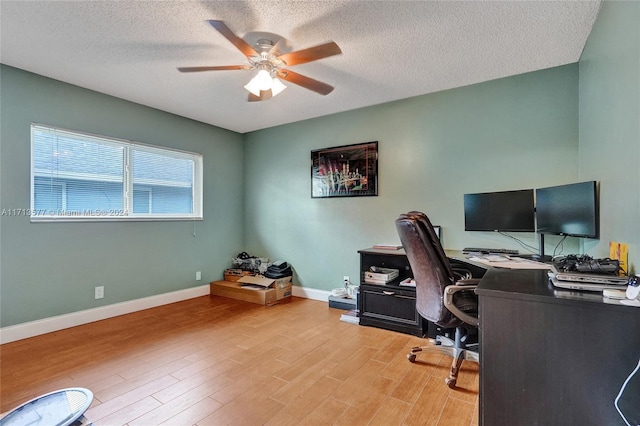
point(505, 211)
point(568, 210)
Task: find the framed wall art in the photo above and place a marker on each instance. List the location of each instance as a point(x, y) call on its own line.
point(345, 171)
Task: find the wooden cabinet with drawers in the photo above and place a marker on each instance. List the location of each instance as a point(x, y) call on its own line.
point(389, 306)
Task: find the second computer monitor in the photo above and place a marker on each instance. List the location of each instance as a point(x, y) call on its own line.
point(506, 211)
point(570, 210)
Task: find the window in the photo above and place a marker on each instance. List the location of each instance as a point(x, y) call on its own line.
point(75, 176)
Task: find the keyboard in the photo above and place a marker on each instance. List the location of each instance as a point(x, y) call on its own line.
point(488, 250)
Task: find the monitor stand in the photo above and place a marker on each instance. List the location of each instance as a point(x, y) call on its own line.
point(542, 257)
point(538, 257)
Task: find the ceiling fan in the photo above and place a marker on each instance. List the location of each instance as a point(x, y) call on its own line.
point(271, 65)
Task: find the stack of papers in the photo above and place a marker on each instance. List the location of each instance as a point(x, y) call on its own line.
point(509, 262)
point(379, 275)
point(387, 246)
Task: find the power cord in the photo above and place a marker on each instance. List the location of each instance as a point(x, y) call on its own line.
point(522, 243)
point(560, 244)
point(624, 385)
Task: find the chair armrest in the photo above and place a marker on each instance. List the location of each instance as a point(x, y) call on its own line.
point(449, 291)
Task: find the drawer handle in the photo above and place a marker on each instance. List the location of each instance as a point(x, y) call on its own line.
point(388, 293)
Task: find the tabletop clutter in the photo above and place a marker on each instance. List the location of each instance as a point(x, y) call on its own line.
point(255, 279)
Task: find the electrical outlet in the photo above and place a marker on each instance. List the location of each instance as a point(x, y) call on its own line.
point(198, 275)
point(99, 292)
point(345, 280)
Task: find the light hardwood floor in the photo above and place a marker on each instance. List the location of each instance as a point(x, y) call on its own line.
point(218, 361)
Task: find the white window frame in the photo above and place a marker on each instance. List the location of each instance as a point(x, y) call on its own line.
point(126, 214)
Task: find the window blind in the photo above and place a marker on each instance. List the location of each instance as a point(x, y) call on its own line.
point(76, 176)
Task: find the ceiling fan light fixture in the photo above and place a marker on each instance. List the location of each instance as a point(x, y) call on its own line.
point(252, 87)
point(262, 81)
point(277, 86)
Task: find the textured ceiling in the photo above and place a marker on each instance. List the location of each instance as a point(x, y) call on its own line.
point(391, 49)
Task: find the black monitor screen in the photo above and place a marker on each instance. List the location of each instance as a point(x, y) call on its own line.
point(568, 210)
point(500, 211)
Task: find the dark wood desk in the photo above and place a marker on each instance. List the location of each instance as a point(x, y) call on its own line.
point(552, 357)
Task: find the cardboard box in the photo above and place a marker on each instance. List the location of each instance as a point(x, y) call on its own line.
point(235, 274)
point(282, 286)
point(235, 290)
point(264, 291)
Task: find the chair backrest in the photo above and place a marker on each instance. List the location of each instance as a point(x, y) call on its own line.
point(433, 240)
point(431, 268)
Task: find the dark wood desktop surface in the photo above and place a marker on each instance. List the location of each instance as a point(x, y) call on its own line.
point(549, 356)
point(533, 285)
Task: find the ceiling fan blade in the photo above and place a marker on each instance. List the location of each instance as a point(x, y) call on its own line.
point(218, 68)
point(306, 82)
point(311, 54)
point(242, 45)
point(274, 49)
point(264, 95)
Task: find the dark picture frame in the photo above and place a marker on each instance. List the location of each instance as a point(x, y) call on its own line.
point(345, 171)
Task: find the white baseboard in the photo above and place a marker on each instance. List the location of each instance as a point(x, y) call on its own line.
point(60, 322)
point(310, 293)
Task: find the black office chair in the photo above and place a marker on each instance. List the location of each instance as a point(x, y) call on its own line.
point(444, 296)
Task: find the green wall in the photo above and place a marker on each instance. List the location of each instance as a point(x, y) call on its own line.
point(555, 126)
point(610, 123)
point(513, 133)
point(49, 269)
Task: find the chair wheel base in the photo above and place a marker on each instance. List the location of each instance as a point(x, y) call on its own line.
point(411, 357)
point(450, 382)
